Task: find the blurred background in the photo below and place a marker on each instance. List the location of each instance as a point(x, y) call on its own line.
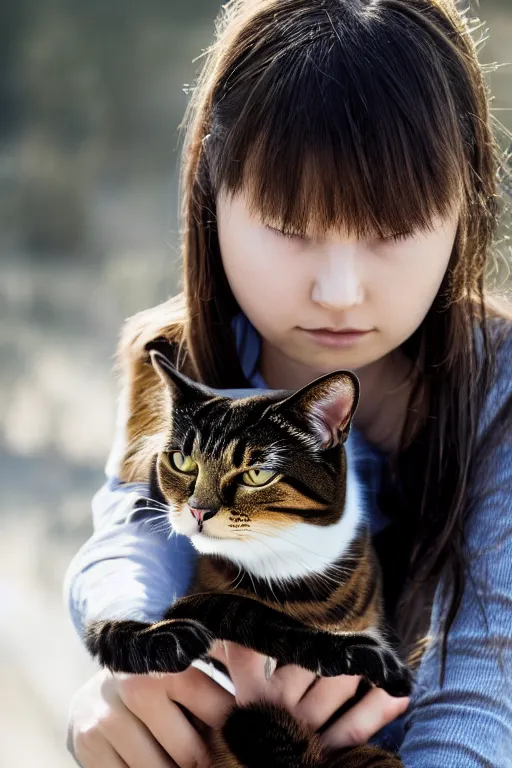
point(91, 95)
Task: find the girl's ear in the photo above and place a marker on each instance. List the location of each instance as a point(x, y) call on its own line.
point(327, 405)
point(181, 387)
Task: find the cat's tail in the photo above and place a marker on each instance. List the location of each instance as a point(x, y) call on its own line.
point(263, 735)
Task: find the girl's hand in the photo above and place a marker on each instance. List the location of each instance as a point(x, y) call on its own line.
point(313, 702)
point(133, 721)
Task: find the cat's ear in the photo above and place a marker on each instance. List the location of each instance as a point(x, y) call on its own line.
point(327, 405)
point(180, 386)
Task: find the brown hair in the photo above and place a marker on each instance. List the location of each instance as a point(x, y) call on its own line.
point(371, 115)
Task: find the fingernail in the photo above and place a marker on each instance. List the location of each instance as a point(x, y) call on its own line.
point(270, 667)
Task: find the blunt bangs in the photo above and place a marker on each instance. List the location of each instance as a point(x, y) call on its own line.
point(339, 117)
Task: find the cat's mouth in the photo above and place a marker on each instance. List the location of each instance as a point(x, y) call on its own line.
point(202, 530)
point(193, 523)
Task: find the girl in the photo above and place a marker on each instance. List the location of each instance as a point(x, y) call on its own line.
point(340, 201)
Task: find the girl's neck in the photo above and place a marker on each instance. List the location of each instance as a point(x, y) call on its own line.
point(385, 389)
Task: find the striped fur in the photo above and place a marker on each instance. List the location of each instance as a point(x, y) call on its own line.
point(287, 569)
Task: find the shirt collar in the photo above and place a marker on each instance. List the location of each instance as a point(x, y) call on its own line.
point(248, 346)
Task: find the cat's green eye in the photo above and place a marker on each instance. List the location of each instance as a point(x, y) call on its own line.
point(257, 477)
point(183, 463)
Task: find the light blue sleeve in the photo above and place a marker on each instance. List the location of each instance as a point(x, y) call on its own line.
point(468, 722)
point(129, 568)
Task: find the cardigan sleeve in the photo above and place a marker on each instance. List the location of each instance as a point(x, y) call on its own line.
point(468, 722)
point(131, 566)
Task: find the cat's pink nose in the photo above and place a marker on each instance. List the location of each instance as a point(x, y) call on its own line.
point(201, 514)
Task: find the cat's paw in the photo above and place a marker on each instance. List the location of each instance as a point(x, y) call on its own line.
point(190, 639)
point(366, 656)
point(108, 641)
point(138, 648)
point(398, 679)
point(382, 667)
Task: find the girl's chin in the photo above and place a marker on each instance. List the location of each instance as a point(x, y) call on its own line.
point(327, 360)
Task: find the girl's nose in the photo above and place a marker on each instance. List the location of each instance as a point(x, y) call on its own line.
point(338, 285)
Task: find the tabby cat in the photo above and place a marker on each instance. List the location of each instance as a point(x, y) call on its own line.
point(265, 489)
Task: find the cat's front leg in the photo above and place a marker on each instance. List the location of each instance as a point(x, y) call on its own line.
point(139, 648)
point(266, 630)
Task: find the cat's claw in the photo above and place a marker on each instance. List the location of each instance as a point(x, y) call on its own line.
point(138, 648)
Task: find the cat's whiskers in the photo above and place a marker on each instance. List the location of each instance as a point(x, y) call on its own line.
point(152, 506)
point(153, 509)
point(164, 527)
point(336, 578)
point(319, 580)
point(239, 573)
point(155, 502)
point(136, 513)
point(269, 581)
point(161, 523)
point(149, 519)
point(252, 580)
point(238, 578)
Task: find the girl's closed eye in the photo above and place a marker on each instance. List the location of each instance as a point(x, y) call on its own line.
point(288, 235)
point(398, 237)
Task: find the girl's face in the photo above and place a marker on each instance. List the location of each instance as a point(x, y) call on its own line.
point(302, 294)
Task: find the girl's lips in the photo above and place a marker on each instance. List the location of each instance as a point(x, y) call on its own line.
point(336, 339)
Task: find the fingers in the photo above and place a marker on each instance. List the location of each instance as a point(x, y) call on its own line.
point(364, 719)
point(313, 702)
point(88, 713)
point(203, 697)
point(193, 689)
point(324, 698)
point(94, 751)
point(173, 734)
point(289, 684)
point(132, 739)
point(152, 700)
point(137, 721)
point(249, 672)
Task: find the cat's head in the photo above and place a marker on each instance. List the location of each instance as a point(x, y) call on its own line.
point(261, 480)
